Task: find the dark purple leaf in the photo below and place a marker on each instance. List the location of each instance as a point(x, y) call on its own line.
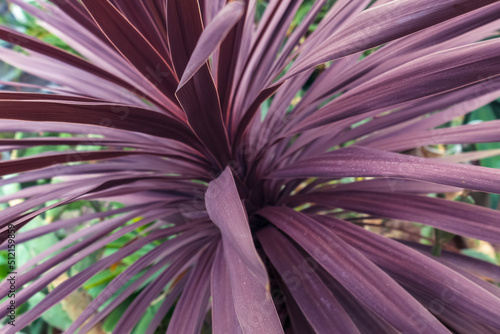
point(133, 46)
point(356, 273)
point(422, 273)
point(318, 304)
point(456, 217)
point(223, 313)
point(249, 282)
point(383, 24)
point(364, 162)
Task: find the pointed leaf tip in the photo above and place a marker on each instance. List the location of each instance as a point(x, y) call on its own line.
point(212, 36)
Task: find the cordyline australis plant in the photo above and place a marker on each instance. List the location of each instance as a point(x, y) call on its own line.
point(256, 213)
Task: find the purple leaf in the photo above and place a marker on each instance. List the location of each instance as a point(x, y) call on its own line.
point(383, 24)
point(198, 96)
point(133, 46)
point(249, 282)
point(456, 217)
point(419, 271)
point(211, 37)
point(364, 162)
point(191, 308)
point(467, 65)
point(356, 273)
point(318, 304)
point(223, 314)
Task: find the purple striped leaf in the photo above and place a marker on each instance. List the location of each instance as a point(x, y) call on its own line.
point(356, 273)
point(364, 162)
point(419, 271)
point(456, 217)
point(318, 304)
point(249, 281)
point(383, 24)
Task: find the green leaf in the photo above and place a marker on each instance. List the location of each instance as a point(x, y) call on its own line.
point(143, 324)
point(113, 318)
point(478, 255)
point(426, 231)
point(30, 249)
point(4, 269)
point(37, 327)
point(85, 263)
point(101, 278)
point(55, 316)
point(442, 237)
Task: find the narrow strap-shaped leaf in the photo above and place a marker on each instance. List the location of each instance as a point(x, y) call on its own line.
point(242, 130)
point(191, 308)
point(198, 96)
point(433, 74)
point(75, 79)
point(232, 51)
point(76, 281)
point(356, 273)
point(36, 45)
point(464, 29)
point(15, 216)
point(116, 165)
point(252, 300)
point(365, 319)
point(66, 223)
point(388, 185)
point(199, 99)
point(249, 281)
point(297, 34)
point(26, 164)
point(133, 46)
point(143, 19)
point(77, 12)
point(100, 114)
point(420, 271)
point(212, 36)
point(382, 24)
point(61, 259)
point(94, 46)
point(184, 29)
point(364, 162)
point(486, 132)
point(270, 34)
point(136, 309)
point(458, 321)
point(475, 266)
point(298, 321)
point(227, 212)
point(178, 263)
point(223, 314)
point(168, 302)
point(462, 100)
point(470, 156)
point(315, 300)
point(341, 12)
point(456, 217)
point(341, 132)
point(209, 9)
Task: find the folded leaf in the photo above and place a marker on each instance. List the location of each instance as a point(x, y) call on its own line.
point(249, 281)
